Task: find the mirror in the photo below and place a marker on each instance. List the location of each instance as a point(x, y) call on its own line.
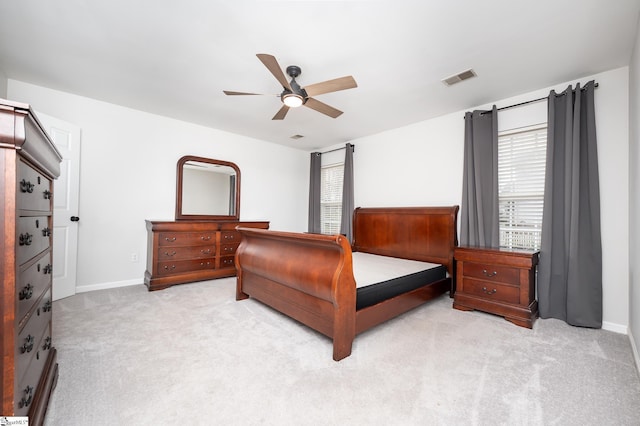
point(207, 189)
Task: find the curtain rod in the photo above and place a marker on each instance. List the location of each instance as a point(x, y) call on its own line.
point(353, 149)
point(531, 101)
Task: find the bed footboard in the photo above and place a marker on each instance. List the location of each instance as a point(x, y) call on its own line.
point(308, 277)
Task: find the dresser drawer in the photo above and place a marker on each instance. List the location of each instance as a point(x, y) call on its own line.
point(31, 334)
point(228, 249)
point(491, 290)
point(167, 253)
point(497, 273)
point(26, 359)
point(230, 237)
point(33, 237)
point(27, 386)
point(186, 238)
point(228, 262)
point(30, 285)
point(34, 189)
point(168, 268)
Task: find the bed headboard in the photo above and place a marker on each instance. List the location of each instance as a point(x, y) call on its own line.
point(429, 234)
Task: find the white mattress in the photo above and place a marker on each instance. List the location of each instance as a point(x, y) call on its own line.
point(371, 268)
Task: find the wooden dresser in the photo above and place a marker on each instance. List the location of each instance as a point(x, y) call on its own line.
point(187, 251)
point(28, 163)
point(498, 281)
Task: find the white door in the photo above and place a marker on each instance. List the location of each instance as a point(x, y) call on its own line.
point(66, 188)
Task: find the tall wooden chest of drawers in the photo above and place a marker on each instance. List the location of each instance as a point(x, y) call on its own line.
point(498, 281)
point(28, 164)
point(187, 251)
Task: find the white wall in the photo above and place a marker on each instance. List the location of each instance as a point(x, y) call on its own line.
point(128, 174)
point(3, 85)
point(422, 164)
point(634, 191)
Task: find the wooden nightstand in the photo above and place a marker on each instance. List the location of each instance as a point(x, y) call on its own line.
point(498, 281)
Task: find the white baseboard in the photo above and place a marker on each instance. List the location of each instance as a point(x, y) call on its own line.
point(616, 328)
point(634, 349)
point(104, 286)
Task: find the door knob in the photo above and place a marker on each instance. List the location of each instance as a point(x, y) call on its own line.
point(74, 218)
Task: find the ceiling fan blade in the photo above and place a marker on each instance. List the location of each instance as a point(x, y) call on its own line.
point(282, 112)
point(322, 107)
point(231, 93)
point(328, 86)
point(272, 65)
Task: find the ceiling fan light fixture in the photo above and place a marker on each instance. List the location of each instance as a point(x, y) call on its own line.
point(292, 100)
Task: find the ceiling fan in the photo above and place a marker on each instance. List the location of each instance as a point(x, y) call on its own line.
point(293, 95)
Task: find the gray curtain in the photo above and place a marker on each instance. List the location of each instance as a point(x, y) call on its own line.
point(570, 268)
point(346, 223)
point(314, 193)
point(479, 212)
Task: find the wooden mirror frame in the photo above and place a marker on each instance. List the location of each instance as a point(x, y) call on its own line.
point(179, 180)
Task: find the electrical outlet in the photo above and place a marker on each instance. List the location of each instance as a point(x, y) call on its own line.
point(134, 257)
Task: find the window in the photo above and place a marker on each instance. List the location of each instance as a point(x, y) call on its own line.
point(521, 167)
point(331, 178)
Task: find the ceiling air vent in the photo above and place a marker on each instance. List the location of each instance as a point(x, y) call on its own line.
point(457, 78)
point(296, 136)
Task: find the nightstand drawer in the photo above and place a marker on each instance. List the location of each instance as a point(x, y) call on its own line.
point(497, 273)
point(491, 291)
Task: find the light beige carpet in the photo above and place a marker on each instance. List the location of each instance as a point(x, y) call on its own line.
point(192, 355)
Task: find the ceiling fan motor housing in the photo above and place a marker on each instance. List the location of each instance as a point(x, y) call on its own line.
point(293, 71)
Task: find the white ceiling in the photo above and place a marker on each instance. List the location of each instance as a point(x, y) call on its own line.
point(174, 58)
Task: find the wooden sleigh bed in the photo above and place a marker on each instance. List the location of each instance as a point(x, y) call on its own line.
point(310, 277)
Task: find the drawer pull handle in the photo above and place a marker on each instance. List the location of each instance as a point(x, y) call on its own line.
point(205, 237)
point(47, 306)
point(28, 344)
point(228, 249)
point(26, 186)
point(229, 237)
point(27, 398)
point(170, 239)
point(489, 274)
point(203, 264)
point(46, 232)
point(47, 269)
point(169, 268)
point(47, 343)
point(47, 194)
point(25, 239)
point(207, 251)
point(489, 292)
point(26, 292)
point(166, 253)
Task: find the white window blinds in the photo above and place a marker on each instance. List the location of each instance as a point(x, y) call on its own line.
point(331, 178)
point(521, 168)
